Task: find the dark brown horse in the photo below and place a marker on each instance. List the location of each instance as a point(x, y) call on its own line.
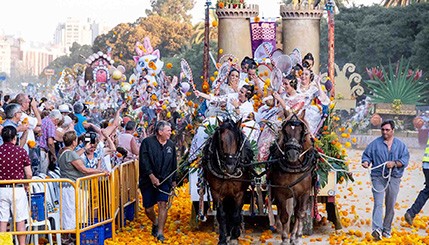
point(224, 155)
point(291, 176)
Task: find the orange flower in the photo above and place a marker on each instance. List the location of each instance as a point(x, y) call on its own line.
point(221, 5)
point(25, 121)
point(206, 86)
point(220, 51)
point(118, 154)
point(31, 144)
point(189, 127)
point(214, 23)
point(257, 19)
point(1, 120)
point(188, 93)
point(153, 97)
point(152, 65)
point(169, 66)
point(135, 134)
point(212, 78)
point(190, 103)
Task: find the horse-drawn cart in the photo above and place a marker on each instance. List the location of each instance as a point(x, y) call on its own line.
point(326, 195)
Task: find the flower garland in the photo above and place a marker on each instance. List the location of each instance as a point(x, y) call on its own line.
point(331, 143)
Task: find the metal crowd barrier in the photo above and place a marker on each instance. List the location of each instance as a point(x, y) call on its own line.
point(43, 206)
point(129, 190)
point(103, 203)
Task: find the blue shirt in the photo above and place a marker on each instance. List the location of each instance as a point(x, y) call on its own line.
point(377, 153)
point(425, 165)
point(79, 125)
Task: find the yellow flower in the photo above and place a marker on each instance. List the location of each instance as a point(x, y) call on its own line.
point(350, 130)
point(212, 78)
point(155, 84)
point(331, 106)
point(25, 121)
point(344, 135)
point(257, 19)
point(220, 51)
point(348, 144)
point(168, 114)
point(354, 140)
point(164, 107)
point(267, 82)
point(215, 73)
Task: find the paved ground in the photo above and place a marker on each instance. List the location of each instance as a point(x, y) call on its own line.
point(355, 204)
point(354, 201)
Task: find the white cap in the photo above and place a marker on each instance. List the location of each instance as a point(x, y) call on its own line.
point(64, 108)
point(67, 121)
point(173, 104)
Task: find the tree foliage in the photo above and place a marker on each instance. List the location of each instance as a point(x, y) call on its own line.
point(394, 3)
point(194, 56)
point(78, 53)
point(370, 36)
point(165, 34)
point(172, 9)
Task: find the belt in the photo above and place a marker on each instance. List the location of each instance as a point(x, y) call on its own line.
point(10, 186)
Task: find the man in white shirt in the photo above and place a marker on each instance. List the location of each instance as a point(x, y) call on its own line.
point(33, 122)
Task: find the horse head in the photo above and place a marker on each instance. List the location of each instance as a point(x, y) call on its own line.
point(228, 140)
point(294, 132)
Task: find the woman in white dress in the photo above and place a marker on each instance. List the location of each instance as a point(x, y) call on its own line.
point(315, 98)
point(237, 106)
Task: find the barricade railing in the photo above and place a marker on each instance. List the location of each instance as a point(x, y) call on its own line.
point(43, 205)
point(94, 212)
point(101, 204)
point(129, 189)
point(116, 198)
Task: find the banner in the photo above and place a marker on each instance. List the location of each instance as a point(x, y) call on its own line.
point(262, 31)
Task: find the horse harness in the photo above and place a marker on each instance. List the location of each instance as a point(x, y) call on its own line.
point(226, 157)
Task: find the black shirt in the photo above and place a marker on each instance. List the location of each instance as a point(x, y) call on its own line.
point(159, 160)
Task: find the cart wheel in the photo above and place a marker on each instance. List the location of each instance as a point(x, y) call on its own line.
point(194, 223)
point(333, 215)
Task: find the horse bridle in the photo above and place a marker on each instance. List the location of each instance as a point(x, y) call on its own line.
point(225, 158)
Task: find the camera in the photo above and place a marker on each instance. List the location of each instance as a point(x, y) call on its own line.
point(90, 137)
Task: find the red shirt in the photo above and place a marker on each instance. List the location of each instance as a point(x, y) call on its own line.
point(13, 159)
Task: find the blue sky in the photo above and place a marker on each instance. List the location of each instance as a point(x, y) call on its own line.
point(37, 20)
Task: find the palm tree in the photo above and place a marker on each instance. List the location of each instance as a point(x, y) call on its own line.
point(198, 35)
point(394, 3)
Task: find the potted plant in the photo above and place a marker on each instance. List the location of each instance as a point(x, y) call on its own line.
point(396, 90)
point(230, 3)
